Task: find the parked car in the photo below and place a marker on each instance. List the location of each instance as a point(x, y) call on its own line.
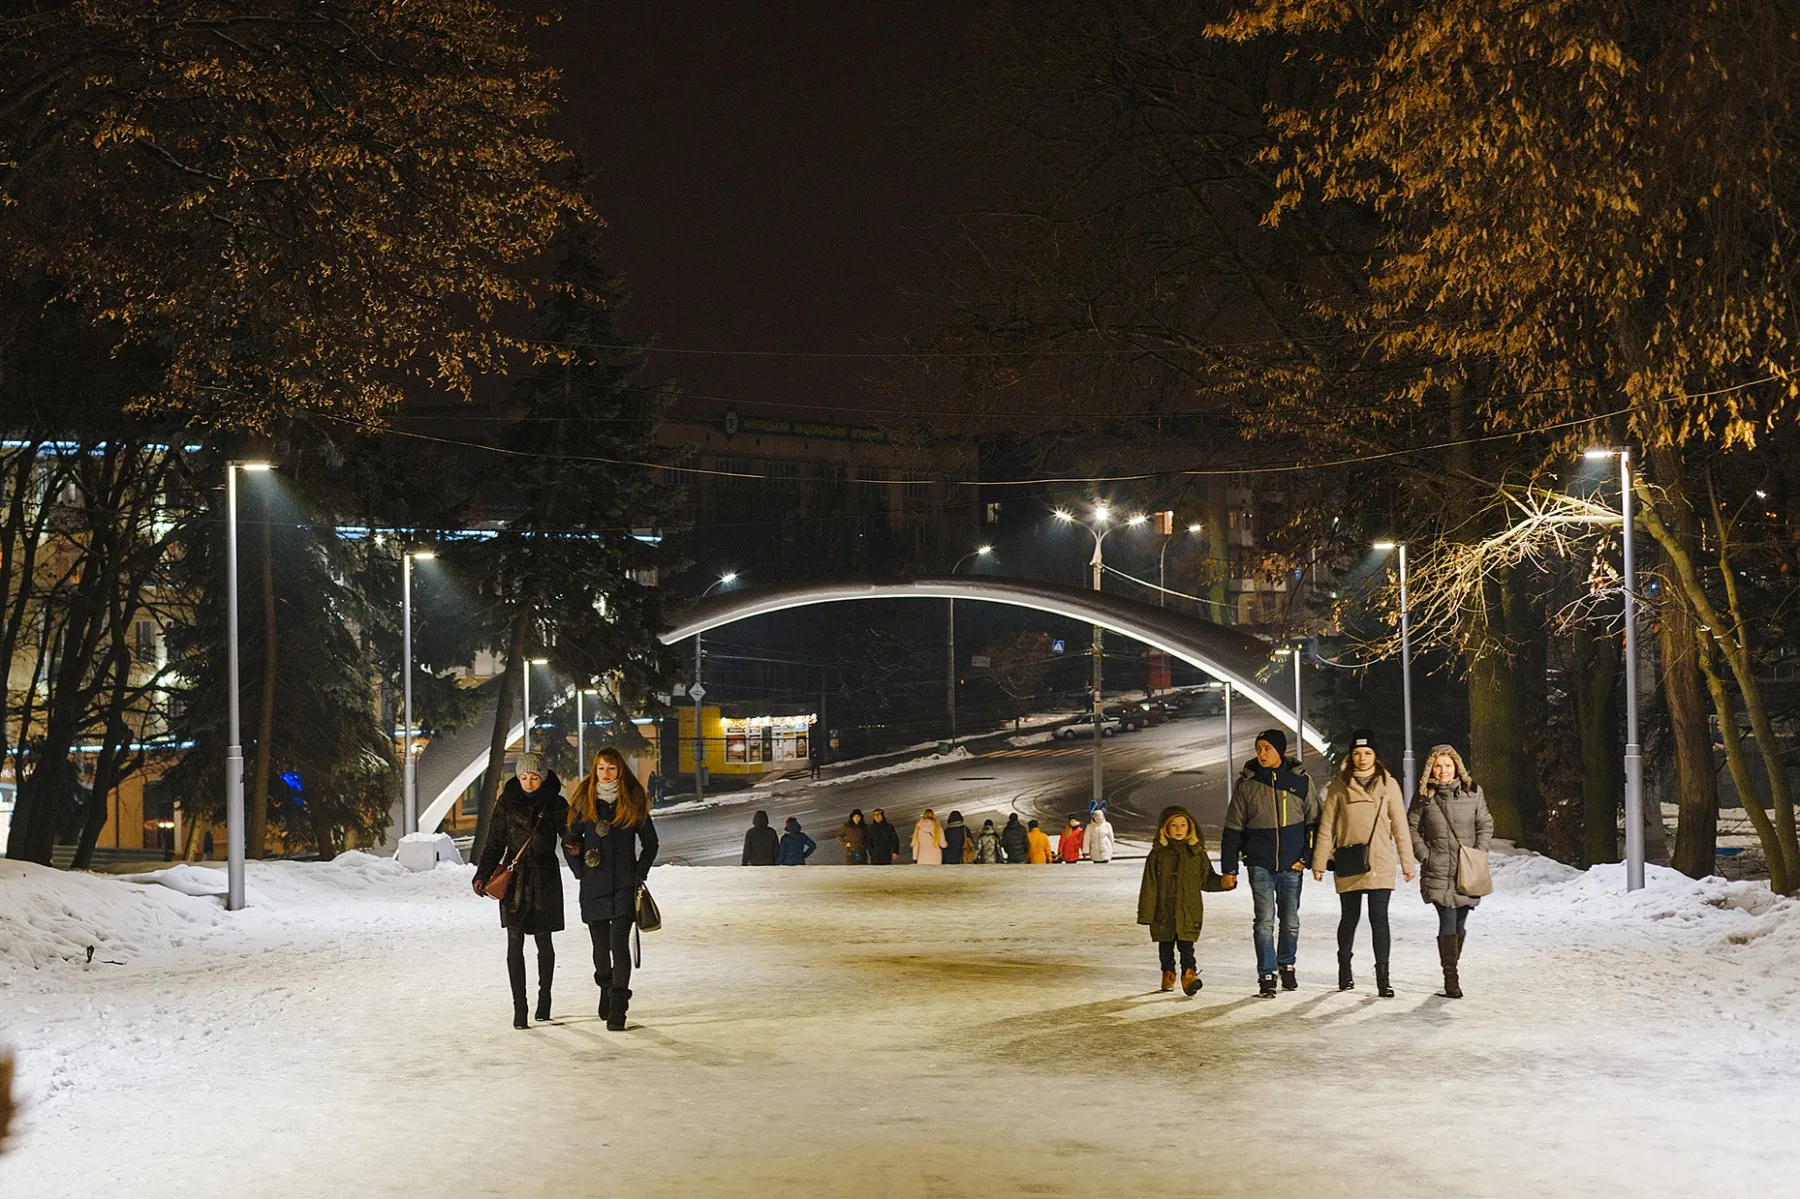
point(1083, 725)
point(1210, 702)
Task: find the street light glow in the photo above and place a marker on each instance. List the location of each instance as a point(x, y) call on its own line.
point(728, 577)
point(1385, 546)
point(1139, 519)
point(423, 555)
point(1194, 528)
point(985, 550)
point(538, 661)
point(1063, 515)
point(1598, 455)
point(1102, 512)
point(255, 466)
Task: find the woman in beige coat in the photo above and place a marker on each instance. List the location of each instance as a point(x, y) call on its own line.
point(928, 841)
point(1364, 828)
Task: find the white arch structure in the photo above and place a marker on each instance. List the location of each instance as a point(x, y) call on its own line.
point(1220, 651)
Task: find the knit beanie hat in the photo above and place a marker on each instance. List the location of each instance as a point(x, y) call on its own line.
point(1276, 738)
point(529, 764)
point(1363, 739)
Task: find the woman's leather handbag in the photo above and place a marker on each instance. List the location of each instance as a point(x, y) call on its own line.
point(649, 916)
point(500, 882)
point(1350, 861)
point(1472, 875)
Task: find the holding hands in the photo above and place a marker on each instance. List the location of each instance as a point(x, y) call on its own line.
point(1228, 882)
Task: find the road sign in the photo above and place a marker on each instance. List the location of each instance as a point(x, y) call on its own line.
point(1057, 647)
point(979, 661)
point(696, 693)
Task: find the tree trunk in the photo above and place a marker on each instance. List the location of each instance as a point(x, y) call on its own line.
point(1739, 765)
point(1684, 693)
point(1502, 711)
point(492, 779)
point(1595, 676)
point(256, 817)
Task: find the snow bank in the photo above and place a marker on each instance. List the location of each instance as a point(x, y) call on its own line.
point(1020, 742)
point(959, 754)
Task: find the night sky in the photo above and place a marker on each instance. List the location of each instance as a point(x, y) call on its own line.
point(764, 186)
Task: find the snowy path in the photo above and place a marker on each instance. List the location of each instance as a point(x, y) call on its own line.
point(900, 1032)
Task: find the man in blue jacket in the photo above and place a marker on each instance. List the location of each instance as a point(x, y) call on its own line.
point(796, 846)
point(1270, 825)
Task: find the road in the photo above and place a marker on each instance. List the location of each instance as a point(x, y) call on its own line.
point(1178, 762)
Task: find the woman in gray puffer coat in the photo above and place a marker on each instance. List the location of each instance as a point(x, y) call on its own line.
point(1450, 812)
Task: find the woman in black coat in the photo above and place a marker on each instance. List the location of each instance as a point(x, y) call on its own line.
point(531, 812)
point(611, 846)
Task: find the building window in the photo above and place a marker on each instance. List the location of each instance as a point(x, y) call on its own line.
point(144, 641)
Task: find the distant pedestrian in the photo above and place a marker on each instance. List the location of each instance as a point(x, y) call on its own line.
point(1098, 841)
point(611, 846)
point(1068, 846)
point(762, 844)
point(1270, 825)
point(815, 754)
point(206, 846)
point(1363, 837)
point(959, 841)
point(1015, 841)
point(529, 817)
point(928, 840)
point(796, 846)
point(1037, 843)
point(987, 845)
point(854, 836)
point(1176, 871)
point(1450, 815)
point(883, 841)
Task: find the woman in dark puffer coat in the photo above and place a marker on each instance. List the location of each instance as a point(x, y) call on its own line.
point(610, 847)
point(531, 810)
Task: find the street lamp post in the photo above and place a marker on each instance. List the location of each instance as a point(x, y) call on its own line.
point(950, 641)
point(698, 691)
point(1096, 566)
point(581, 730)
point(525, 731)
point(409, 781)
point(1230, 761)
point(1634, 760)
point(1162, 561)
point(234, 750)
point(1407, 761)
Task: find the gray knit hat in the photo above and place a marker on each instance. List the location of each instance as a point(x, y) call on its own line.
point(529, 764)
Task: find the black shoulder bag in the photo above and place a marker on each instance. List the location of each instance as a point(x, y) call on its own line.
point(1351, 861)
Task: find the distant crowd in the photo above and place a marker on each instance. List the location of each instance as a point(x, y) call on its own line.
point(876, 841)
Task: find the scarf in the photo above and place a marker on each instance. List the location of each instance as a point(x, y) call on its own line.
point(1365, 779)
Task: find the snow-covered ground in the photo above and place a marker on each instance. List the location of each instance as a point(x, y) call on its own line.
point(890, 1032)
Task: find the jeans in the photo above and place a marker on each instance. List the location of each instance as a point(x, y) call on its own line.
point(612, 952)
point(1165, 952)
point(1275, 891)
point(1452, 922)
point(1350, 907)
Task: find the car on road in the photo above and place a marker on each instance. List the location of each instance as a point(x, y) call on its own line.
point(1131, 717)
point(1083, 726)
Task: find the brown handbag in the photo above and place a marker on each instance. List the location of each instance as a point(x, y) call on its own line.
point(500, 882)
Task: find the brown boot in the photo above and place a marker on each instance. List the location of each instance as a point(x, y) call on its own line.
point(1168, 980)
point(1190, 980)
point(1447, 958)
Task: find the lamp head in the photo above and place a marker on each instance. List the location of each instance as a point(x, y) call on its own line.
point(538, 661)
point(1599, 455)
point(728, 578)
point(1102, 512)
point(1194, 528)
point(1139, 519)
point(984, 550)
point(1064, 515)
point(257, 467)
point(1385, 546)
point(423, 555)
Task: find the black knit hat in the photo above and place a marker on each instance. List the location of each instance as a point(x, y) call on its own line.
point(1363, 739)
point(1276, 738)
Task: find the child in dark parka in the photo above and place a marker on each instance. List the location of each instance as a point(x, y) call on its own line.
point(1176, 872)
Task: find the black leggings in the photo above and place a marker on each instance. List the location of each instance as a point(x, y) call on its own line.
point(612, 952)
point(515, 960)
point(1452, 922)
point(1350, 907)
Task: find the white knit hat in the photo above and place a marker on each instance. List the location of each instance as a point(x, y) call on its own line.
point(529, 764)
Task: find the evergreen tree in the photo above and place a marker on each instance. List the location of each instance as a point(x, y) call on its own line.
point(572, 574)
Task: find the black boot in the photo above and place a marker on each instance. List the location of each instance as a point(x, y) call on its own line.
point(615, 1013)
point(515, 973)
point(1382, 987)
point(1345, 980)
point(1447, 958)
point(546, 972)
point(605, 998)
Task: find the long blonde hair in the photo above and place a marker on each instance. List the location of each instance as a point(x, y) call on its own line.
point(632, 807)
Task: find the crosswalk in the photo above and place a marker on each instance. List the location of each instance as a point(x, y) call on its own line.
point(1085, 749)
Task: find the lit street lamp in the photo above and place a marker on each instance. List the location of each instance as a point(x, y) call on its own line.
point(234, 750)
point(699, 692)
point(525, 732)
point(581, 730)
point(1634, 761)
point(950, 657)
point(408, 770)
point(1162, 562)
point(1102, 515)
point(1406, 761)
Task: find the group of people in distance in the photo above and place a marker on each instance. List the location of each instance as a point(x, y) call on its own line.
point(607, 837)
point(876, 842)
point(1363, 832)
